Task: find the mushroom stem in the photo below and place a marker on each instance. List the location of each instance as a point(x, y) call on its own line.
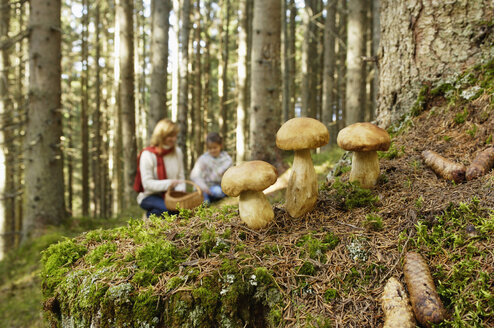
point(255, 209)
point(365, 168)
point(301, 192)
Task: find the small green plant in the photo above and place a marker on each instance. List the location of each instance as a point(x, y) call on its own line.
point(420, 104)
point(330, 294)
point(488, 140)
point(472, 131)
point(419, 202)
point(447, 138)
point(461, 118)
point(350, 195)
point(373, 222)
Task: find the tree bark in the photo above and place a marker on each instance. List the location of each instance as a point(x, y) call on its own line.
point(197, 125)
point(160, 25)
point(85, 109)
point(328, 102)
point(127, 98)
point(309, 56)
point(223, 66)
point(342, 69)
point(265, 110)
point(44, 184)
point(242, 83)
point(7, 151)
point(183, 105)
point(427, 41)
point(354, 100)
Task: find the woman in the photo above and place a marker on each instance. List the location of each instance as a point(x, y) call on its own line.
point(160, 166)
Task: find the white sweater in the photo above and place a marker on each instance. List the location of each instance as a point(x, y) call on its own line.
point(148, 164)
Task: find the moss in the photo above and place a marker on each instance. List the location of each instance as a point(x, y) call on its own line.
point(207, 242)
point(315, 248)
point(95, 256)
point(56, 262)
point(465, 284)
point(330, 294)
point(373, 222)
point(392, 152)
point(460, 118)
point(419, 105)
point(307, 269)
point(159, 256)
point(350, 195)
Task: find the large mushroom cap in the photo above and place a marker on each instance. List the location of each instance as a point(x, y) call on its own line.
point(302, 133)
point(253, 175)
point(363, 137)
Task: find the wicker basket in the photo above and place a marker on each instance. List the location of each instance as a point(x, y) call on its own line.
point(188, 200)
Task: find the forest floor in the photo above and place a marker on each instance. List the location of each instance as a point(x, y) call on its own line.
point(330, 266)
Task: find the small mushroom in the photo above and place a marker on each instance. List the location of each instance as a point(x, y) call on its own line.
point(301, 135)
point(364, 139)
point(248, 180)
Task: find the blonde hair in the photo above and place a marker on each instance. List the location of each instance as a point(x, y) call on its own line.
point(164, 128)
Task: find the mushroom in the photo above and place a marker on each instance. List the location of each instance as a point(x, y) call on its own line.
point(364, 139)
point(248, 180)
point(301, 134)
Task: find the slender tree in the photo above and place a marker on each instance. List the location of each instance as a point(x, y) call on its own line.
point(183, 104)
point(242, 82)
point(223, 65)
point(309, 57)
point(292, 69)
point(197, 119)
point(265, 110)
point(44, 184)
point(376, 35)
point(342, 69)
point(85, 109)
point(126, 96)
point(160, 24)
point(354, 101)
point(7, 159)
point(329, 70)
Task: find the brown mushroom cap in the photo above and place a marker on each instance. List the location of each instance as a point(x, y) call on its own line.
point(302, 133)
point(253, 175)
point(363, 137)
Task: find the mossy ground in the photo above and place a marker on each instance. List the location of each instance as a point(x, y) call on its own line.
point(205, 268)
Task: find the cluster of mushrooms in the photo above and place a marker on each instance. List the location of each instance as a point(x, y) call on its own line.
point(249, 179)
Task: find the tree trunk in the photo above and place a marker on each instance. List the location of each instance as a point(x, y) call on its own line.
point(177, 11)
point(44, 184)
point(223, 66)
point(342, 69)
point(427, 41)
point(7, 151)
point(207, 66)
point(309, 56)
point(265, 110)
point(376, 30)
point(242, 82)
point(183, 107)
point(97, 158)
point(197, 123)
point(293, 59)
point(160, 12)
point(354, 101)
point(329, 71)
point(127, 99)
point(85, 109)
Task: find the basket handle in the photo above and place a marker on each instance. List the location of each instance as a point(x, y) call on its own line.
point(198, 189)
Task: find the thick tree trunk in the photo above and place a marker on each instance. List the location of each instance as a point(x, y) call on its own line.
point(265, 110)
point(242, 83)
point(354, 100)
point(427, 41)
point(328, 102)
point(44, 184)
point(160, 12)
point(127, 99)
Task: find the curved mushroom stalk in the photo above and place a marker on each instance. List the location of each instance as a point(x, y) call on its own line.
point(365, 168)
point(255, 209)
point(301, 192)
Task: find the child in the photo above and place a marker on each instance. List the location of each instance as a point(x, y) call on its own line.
point(209, 168)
